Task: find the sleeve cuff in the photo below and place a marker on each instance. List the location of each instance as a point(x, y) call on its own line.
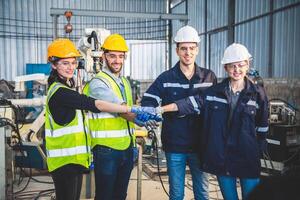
point(187, 106)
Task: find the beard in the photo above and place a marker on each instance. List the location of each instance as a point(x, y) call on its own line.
point(112, 69)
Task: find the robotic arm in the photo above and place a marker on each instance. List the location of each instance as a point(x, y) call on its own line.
point(90, 47)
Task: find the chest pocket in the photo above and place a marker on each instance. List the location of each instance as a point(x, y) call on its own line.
point(176, 93)
point(218, 110)
point(249, 112)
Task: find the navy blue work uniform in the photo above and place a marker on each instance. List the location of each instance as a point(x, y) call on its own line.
point(179, 133)
point(230, 146)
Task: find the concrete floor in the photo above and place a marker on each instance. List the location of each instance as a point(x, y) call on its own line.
point(151, 189)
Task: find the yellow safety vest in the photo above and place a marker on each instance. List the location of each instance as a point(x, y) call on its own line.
point(105, 128)
point(68, 143)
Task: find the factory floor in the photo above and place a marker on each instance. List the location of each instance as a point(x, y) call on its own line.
point(151, 189)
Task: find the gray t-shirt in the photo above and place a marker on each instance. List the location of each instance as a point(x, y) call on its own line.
point(234, 97)
point(99, 89)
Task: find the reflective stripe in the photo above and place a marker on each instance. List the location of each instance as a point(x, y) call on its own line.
point(195, 105)
point(67, 151)
point(252, 103)
point(102, 115)
point(66, 130)
point(276, 142)
point(54, 89)
point(262, 129)
point(214, 98)
point(109, 133)
point(176, 85)
point(158, 99)
point(201, 85)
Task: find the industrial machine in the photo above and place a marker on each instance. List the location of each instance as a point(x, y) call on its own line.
point(90, 47)
point(283, 138)
point(6, 160)
point(281, 113)
point(21, 148)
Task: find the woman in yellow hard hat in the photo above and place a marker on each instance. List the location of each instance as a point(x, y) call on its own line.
point(67, 142)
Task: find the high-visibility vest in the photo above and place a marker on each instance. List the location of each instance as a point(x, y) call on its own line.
point(68, 143)
point(105, 128)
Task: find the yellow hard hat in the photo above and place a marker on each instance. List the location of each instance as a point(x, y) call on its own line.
point(62, 48)
point(115, 42)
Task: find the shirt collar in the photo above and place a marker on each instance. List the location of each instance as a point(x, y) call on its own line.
point(107, 71)
point(197, 75)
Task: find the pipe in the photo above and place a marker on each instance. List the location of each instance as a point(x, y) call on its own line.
point(29, 102)
point(139, 172)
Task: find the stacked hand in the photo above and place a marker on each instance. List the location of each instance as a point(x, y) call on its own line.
point(147, 116)
point(148, 113)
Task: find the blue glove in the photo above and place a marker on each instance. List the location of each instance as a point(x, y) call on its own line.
point(141, 118)
point(147, 113)
point(138, 122)
point(139, 110)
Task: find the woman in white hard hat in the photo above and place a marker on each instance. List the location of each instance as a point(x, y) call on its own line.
point(235, 124)
point(67, 143)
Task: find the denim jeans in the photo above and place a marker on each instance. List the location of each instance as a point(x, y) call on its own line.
point(228, 187)
point(112, 172)
point(176, 164)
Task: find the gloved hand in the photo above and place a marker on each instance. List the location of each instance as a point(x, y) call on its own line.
point(152, 124)
point(146, 120)
point(140, 109)
point(147, 113)
point(138, 122)
point(262, 143)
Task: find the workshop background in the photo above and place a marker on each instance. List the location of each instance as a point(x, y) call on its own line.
point(270, 29)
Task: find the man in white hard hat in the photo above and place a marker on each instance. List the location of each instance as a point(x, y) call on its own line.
point(235, 125)
point(180, 134)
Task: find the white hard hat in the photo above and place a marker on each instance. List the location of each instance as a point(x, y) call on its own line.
point(234, 53)
point(187, 34)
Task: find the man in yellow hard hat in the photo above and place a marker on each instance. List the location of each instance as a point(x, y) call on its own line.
point(112, 135)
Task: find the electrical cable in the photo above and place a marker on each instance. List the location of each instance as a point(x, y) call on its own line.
point(40, 194)
point(152, 133)
point(32, 194)
point(24, 188)
point(39, 181)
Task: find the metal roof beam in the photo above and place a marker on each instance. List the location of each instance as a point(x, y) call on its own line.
point(95, 13)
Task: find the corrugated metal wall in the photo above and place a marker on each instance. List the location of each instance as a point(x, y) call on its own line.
point(253, 33)
point(26, 29)
point(146, 60)
point(287, 46)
